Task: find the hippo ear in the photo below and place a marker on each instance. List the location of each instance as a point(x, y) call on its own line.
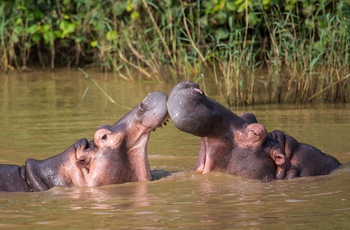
point(254, 135)
point(277, 156)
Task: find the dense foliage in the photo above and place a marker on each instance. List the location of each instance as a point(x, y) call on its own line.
point(303, 44)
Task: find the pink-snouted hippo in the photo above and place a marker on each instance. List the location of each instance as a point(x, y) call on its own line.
point(238, 144)
point(117, 154)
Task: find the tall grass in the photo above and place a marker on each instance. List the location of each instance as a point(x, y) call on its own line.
point(305, 49)
point(309, 59)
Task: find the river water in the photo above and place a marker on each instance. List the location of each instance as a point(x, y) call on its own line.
point(43, 113)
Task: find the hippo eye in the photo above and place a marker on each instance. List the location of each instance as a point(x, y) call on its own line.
point(104, 137)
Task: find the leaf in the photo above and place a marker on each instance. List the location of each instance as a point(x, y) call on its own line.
point(221, 17)
point(93, 43)
point(203, 21)
point(208, 6)
point(33, 29)
point(48, 37)
point(221, 34)
point(252, 19)
point(45, 28)
point(129, 7)
point(14, 38)
point(266, 2)
point(79, 39)
point(231, 6)
point(111, 35)
point(66, 28)
point(119, 8)
point(36, 38)
point(309, 24)
point(135, 15)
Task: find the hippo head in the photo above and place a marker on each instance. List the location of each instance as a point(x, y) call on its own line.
point(229, 142)
point(120, 151)
point(117, 154)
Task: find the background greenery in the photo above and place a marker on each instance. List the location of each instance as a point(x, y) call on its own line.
point(296, 50)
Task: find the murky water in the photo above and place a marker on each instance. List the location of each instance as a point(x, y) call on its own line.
point(43, 113)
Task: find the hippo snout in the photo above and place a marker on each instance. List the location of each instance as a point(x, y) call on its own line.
point(82, 144)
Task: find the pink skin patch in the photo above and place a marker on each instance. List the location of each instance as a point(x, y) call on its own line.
point(198, 90)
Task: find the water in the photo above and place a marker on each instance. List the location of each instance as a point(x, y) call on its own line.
point(43, 113)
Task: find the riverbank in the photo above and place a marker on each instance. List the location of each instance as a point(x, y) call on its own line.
point(304, 48)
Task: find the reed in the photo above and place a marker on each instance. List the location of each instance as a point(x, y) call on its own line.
point(305, 49)
point(3, 39)
point(308, 56)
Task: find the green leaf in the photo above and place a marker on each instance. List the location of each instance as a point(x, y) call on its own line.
point(93, 43)
point(18, 30)
point(208, 6)
point(231, 6)
point(129, 7)
point(221, 34)
point(266, 2)
point(221, 17)
point(36, 38)
point(239, 2)
point(45, 28)
point(252, 19)
point(111, 35)
point(18, 21)
point(203, 21)
point(119, 8)
point(14, 38)
point(33, 29)
point(241, 8)
point(135, 15)
point(79, 39)
point(48, 37)
point(309, 24)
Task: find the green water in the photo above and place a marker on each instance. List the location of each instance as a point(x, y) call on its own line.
point(43, 113)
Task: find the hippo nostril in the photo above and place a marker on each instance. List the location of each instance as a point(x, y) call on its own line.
point(104, 137)
point(82, 144)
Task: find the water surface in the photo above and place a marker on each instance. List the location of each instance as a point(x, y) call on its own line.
point(43, 113)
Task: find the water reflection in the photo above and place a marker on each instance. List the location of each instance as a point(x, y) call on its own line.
point(113, 197)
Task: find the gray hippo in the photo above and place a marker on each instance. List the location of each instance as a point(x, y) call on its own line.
point(238, 144)
point(117, 154)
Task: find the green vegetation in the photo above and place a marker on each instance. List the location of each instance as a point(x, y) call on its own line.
point(296, 50)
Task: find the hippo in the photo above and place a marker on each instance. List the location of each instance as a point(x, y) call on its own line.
point(117, 154)
point(238, 144)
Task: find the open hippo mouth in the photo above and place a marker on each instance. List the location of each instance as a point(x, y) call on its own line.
point(193, 112)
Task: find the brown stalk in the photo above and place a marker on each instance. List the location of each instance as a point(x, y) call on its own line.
point(142, 58)
point(139, 68)
point(167, 51)
point(340, 80)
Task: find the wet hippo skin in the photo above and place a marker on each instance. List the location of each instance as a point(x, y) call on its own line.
point(238, 144)
point(117, 154)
